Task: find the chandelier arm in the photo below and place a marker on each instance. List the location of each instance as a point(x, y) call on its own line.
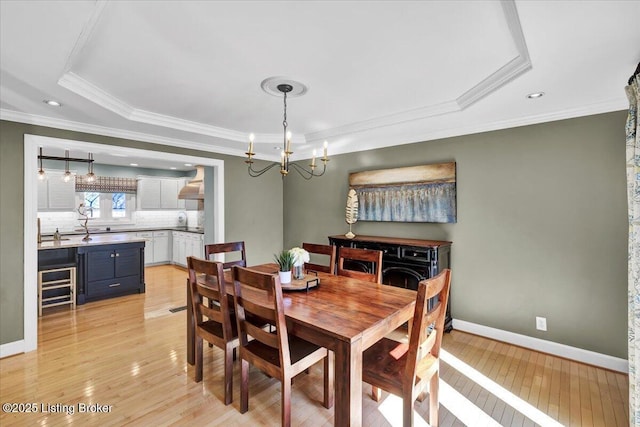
point(254, 173)
point(304, 172)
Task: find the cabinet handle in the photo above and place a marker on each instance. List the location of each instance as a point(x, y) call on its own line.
point(113, 285)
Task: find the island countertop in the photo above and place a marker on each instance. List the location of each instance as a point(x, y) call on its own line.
point(96, 239)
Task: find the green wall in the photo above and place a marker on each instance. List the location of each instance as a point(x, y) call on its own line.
point(541, 231)
point(253, 211)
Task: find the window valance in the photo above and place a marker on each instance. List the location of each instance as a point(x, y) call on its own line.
point(107, 184)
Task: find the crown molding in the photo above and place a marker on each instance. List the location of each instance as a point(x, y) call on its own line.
point(400, 137)
point(33, 119)
point(93, 93)
point(510, 70)
point(85, 34)
point(390, 120)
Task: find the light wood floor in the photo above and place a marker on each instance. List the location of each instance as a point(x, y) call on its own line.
point(129, 353)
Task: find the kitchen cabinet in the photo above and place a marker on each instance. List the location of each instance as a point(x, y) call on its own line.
point(185, 245)
point(148, 193)
point(55, 194)
point(105, 271)
point(158, 193)
point(148, 247)
point(161, 247)
point(157, 249)
point(169, 194)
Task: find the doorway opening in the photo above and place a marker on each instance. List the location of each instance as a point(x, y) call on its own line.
point(214, 232)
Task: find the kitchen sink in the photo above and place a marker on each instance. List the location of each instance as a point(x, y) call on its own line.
point(51, 239)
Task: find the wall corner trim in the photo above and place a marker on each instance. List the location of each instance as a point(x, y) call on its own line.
point(544, 346)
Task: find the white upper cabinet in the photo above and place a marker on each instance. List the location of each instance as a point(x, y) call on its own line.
point(55, 194)
point(148, 193)
point(158, 193)
point(169, 193)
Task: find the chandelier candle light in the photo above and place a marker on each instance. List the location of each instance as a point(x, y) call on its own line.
point(285, 154)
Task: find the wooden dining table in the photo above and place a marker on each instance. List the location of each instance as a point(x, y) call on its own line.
point(346, 316)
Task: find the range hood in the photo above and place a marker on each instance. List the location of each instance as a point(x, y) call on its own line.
point(194, 190)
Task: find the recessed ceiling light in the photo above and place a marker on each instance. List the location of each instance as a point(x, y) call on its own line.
point(52, 103)
point(133, 164)
point(535, 95)
point(188, 164)
point(173, 168)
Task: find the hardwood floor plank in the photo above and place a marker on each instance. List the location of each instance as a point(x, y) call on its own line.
point(130, 353)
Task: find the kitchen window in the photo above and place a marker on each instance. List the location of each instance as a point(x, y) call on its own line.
point(107, 199)
point(106, 206)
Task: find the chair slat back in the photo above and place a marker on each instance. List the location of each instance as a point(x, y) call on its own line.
point(219, 248)
point(215, 291)
point(328, 250)
point(363, 255)
point(258, 297)
point(428, 325)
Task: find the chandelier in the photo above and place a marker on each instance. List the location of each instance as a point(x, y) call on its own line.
point(285, 162)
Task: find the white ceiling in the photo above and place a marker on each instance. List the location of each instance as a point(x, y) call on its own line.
point(379, 73)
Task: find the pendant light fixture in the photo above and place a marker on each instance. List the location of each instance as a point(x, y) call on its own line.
point(67, 173)
point(91, 177)
point(67, 176)
point(285, 87)
point(41, 174)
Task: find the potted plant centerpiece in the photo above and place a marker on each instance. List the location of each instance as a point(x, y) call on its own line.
point(285, 261)
point(300, 256)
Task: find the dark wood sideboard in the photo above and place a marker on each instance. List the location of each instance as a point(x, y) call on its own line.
point(405, 262)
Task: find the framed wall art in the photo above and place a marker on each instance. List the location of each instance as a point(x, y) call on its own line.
point(424, 193)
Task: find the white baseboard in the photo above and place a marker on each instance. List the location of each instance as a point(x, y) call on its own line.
point(11, 348)
point(549, 347)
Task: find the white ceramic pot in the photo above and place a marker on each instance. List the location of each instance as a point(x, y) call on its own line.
point(285, 276)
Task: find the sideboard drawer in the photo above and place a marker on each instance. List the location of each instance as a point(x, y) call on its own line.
point(415, 254)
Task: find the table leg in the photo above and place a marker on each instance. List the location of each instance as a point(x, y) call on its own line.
point(348, 384)
point(191, 360)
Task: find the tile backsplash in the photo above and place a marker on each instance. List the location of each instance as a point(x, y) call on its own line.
point(67, 222)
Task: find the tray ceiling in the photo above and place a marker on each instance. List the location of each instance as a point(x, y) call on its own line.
point(379, 73)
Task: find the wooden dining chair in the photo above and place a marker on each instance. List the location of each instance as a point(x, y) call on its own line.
point(212, 321)
point(277, 353)
point(219, 248)
point(363, 258)
point(402, 369)
point(329, 250)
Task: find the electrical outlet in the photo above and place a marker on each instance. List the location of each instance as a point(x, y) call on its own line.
point(541, 323)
